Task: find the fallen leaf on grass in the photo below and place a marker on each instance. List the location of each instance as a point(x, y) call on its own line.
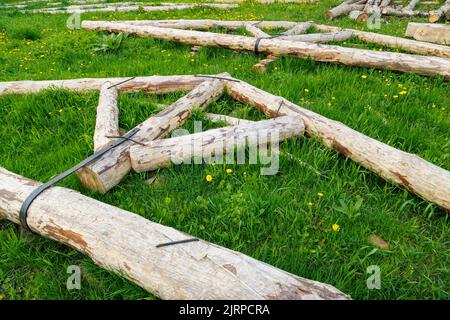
point(378, 242)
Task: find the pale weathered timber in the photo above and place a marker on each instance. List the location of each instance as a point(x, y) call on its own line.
point(355, 14)
point(212, 143)
point(430, 66)
point(409, 45)
point(119, 8)
point(391, 11)
point(108, 170)
point(320, 37)
point(160, 84)
point(255, 31)
point(411, 5)
point(269, 1)
point(228, 119)
point(262, 64)
point(344, 8)
point(407, 170)
point(300, 28)
point(125, 243)
point(432, 32)
point(107, 121)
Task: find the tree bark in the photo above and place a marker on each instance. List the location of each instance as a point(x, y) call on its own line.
point(215, 142)
point(391, 11)
point(436, 15)
point(431, 66)
point(409, 45)
point(107, 122)
point(108, 170)
point(404, 169)
point(300, 28)
point(159, 84)
point(320, 37)
point(126, 244)
point(439, 33)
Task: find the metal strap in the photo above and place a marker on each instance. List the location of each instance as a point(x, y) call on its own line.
point(36, 192)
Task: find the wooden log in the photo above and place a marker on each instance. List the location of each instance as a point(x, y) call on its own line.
point(355, 14)
point(406, 170)
point(344, 8)
point(439, 33)
point(118, 8)
point(161, 153)
point(371, 7)
point(108, 170)
point(261, 66)
point(436, 15)
point(194, 50)
point(411, 5)
point(228, 119)
point(107, 122)
point(154, 84)
point(255, 31)
point(320, 37)
point(409, 45)
point(126, 243)
point(300, 28)
point(431, 66)
point(391, 11)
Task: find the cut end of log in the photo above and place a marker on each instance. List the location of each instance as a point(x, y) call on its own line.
point(434, 17)
point(91, 180)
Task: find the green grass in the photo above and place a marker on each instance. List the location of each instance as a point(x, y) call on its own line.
point(266, 217)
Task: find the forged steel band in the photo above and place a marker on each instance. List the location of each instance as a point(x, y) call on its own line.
point(36, 192)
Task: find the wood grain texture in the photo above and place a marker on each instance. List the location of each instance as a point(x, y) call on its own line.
point(406, 170)
point(125, 243)
point(432, 32)
point(108, 170)
point(203, 145)
point(430, 66)
point(107, 120)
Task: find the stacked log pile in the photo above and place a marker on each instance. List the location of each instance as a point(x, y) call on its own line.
point(361, 10)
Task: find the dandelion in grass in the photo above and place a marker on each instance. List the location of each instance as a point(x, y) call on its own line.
point(306, 90)
point(320, 194)
point(229, 170)
point(209, 178)
point(310, 204)
point(335, 227)
point(364, 76)
point(402, 92)
point(395, 97)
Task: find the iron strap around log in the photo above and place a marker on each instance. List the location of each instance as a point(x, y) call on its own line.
point(36, 192)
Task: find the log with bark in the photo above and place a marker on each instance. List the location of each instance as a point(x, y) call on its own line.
point(404, 169)
point(107, 122)
point(127, 244)
point(392, 11)
point(320, 37)
point(430, 66)
point(255, 31)
point(154, 84)
point(228, 119)
point(107, 171)
point(444, 11)
point(212, 143)
point(432, 32)
point(262, 64)
point(300, 28)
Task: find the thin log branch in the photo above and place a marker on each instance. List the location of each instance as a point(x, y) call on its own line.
point(107, 122)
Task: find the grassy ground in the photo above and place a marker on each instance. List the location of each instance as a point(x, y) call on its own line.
point(285, 220)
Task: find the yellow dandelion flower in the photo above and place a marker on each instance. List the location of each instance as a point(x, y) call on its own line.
point(403, 92)
point(395, 97)
point(229, 170)
point(335, 227)
point(364, 76)
point(209, 178)
point(320, 194)
point(310, 204)
point(306, 90)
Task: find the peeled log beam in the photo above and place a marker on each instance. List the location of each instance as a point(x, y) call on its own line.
point(107, 122)
point(300, 28)
point(431, 66)
point(125, 243)
point(404, 169)
point(390, 11)
point(160, 84)
point(261, 66)
point(215, 142)
point(436, 15)
point(414, 46)
point(108, 170)
point(431, 32)
point(255, 31)
point(228, 119)
point(320, 37)
point(411, 5)
point(344, 8)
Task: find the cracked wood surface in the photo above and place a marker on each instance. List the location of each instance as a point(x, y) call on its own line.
point(156, 84)
point(108, 170)
point(213, 143)
point(431, 32)
point(406, 170)
point(125, 243)
point(424, 65)
point(107, 121)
